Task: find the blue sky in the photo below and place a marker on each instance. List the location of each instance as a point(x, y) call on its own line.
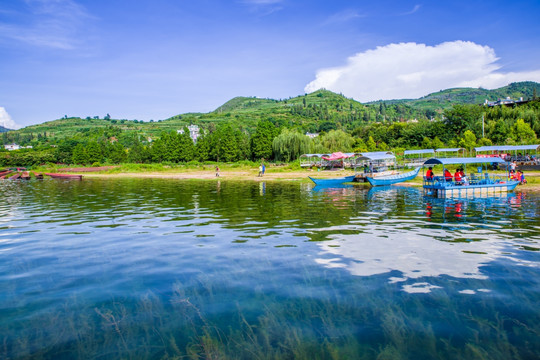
point(155, 59)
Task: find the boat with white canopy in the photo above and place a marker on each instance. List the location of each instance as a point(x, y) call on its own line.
point(476, 184)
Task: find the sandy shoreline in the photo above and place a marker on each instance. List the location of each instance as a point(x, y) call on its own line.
point(248, 175)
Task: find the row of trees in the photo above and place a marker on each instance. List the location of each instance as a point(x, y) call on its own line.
point(462, 126)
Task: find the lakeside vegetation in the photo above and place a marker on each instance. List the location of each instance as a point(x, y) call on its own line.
point(251, 129)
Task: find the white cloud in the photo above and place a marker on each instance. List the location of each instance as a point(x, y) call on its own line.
point(411, 70)
point(6, 121)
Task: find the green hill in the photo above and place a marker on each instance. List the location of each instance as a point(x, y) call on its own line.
point(319, 111)
point(445, 99)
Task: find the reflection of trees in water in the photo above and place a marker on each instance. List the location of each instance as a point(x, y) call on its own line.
point(257, 309)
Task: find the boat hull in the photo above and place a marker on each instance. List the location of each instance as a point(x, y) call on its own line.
point(332, 181)
point(466, 191)
point(64, 176)
point(392, 179)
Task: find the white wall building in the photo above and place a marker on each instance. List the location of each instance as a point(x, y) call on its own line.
point(11, 147)
point(194, 132)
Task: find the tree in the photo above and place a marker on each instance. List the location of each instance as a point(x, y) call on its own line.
point(360, 146)
point(468, 141)
point(64, 151)
point(290, 144)
point(261, 141)
point(79, 155)
point(136, 153)
point(172, 146)
point(186, 146)
point(371, 145)
point(436, 143)
point(158, 151)
point(223, 145)
point(93, 153)
point(202, 148)
point(484, 142)
point(523, 133)
point(338, 140)
point(117, 153)
point(461, 118)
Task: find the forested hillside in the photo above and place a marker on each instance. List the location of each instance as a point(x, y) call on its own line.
point(445, 99)
point(250, 129)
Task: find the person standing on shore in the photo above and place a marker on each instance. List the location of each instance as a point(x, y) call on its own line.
point(263, 168)
point(217, 171)
point(260, 170)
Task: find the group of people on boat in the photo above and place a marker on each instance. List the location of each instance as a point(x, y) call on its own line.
point(459, 176)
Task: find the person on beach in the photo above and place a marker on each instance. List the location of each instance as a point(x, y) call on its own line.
point(264, 168)
point(217, 171)
point(522, 179)
point(260, 170)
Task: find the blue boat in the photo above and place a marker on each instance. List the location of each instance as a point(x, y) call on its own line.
point(479, 184)
point(332, 181)
point(392, 179)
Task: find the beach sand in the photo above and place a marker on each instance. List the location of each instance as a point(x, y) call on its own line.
point(252, 175)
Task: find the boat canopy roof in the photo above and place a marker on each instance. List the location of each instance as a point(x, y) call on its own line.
point(421, 151)
point(337, 156)
point(314, 155)
point(463, 160)
point(507, 148)
point(377, 155)
point(449, 150)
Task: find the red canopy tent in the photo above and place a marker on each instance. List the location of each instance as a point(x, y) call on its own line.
point(336, 156)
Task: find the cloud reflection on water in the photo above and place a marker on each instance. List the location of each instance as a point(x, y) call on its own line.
point(373, 245)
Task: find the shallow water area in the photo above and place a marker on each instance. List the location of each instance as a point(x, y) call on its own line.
point(161, 268)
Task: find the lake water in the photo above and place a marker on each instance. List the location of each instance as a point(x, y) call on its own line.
point(170, 269)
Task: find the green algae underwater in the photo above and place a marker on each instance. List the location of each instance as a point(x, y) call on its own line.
point(170, 269)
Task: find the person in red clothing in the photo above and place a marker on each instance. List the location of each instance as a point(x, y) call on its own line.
point(429, 174)
point(447, 175)
point(457, 176)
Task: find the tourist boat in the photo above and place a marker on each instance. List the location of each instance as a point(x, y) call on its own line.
point(5, 173)
point(25, 175)
point(15, 176)
point(392, 179)
point(64, 176)
point(332, 181)
point(476, 185)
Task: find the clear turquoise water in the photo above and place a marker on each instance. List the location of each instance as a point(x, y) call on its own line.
point(169, 269)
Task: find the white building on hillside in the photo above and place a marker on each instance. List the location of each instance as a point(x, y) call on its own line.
point(194, 132)
point(11, 147)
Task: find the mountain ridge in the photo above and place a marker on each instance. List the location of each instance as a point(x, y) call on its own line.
point(444, 99)
point(321, 110)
